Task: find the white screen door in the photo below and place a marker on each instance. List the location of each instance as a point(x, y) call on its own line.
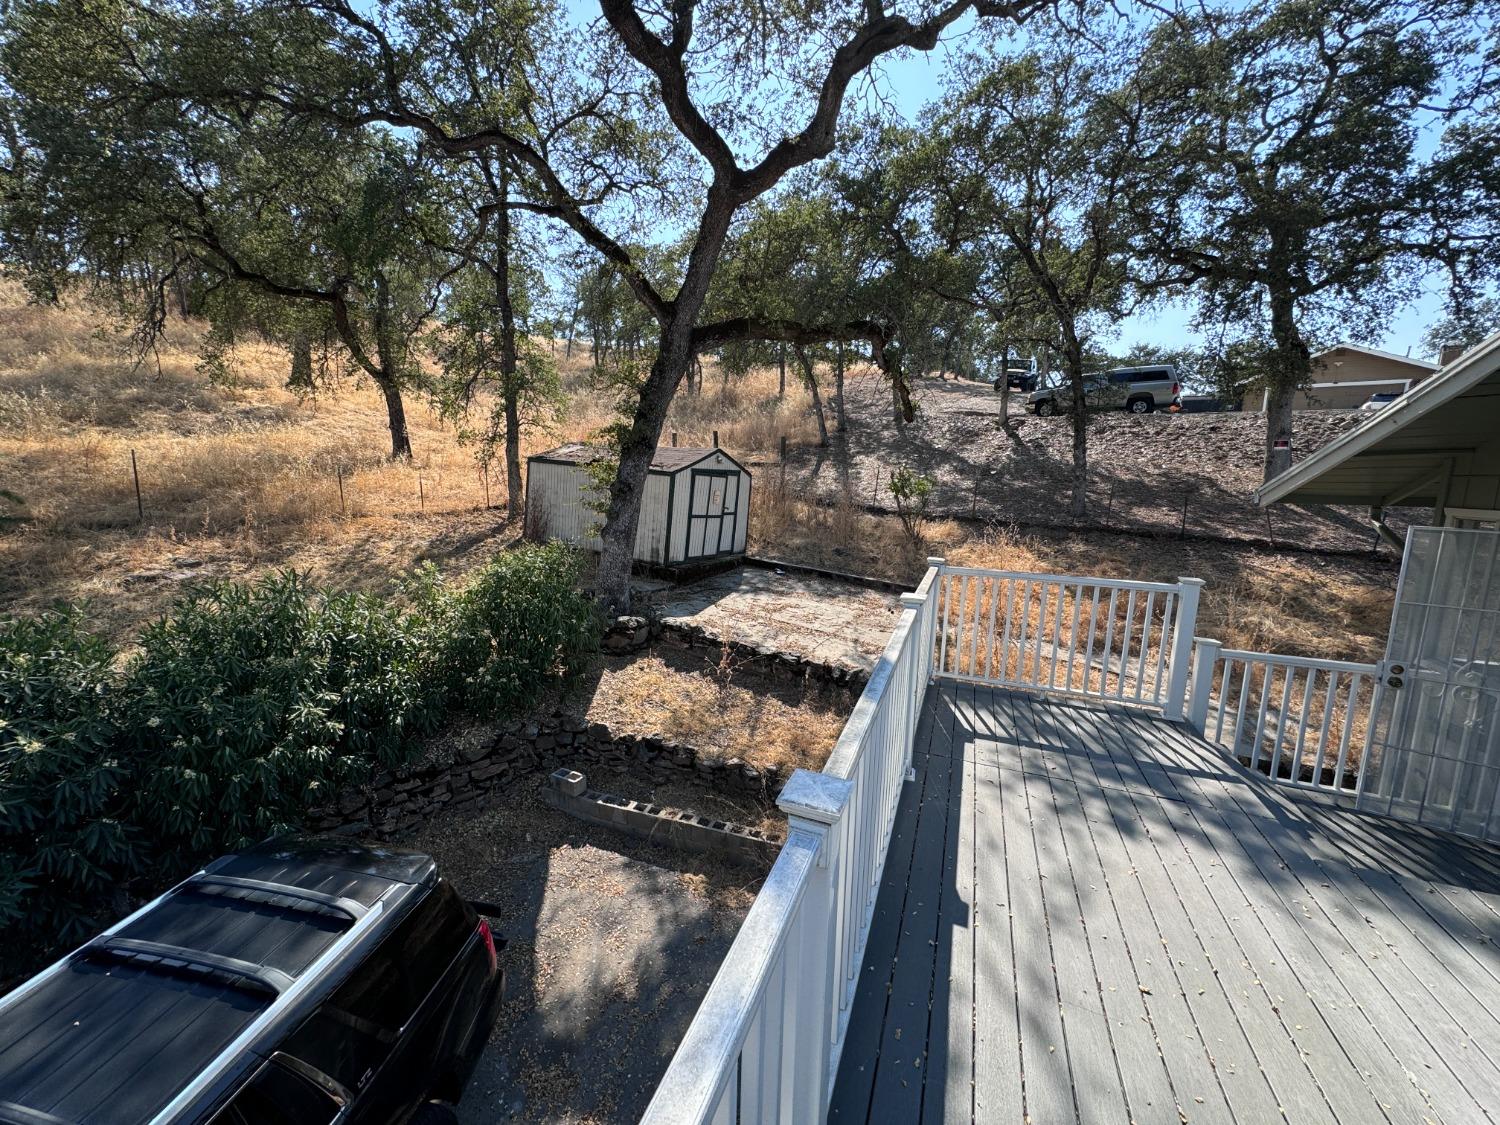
point(1435, 755)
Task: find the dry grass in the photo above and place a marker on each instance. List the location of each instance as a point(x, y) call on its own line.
point(715, 704)
point(1332, 606)
point(242, 478)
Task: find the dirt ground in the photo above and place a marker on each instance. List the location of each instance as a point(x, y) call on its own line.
point(612, 943)
point(1146, 471)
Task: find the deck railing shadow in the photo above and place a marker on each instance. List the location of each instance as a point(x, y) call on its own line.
point(1084, 682)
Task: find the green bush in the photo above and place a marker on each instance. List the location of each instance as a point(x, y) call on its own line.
point(246, 705)
point(249, 703)
point(62, 843)
point(522, 623)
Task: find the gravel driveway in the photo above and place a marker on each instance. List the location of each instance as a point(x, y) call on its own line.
point(612, 943)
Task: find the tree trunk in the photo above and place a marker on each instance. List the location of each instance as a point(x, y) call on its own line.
point(385, 350)
point(674, 356)
point(842, 424)
point(572, 328)
point(302, 365)
point(510, 388)
point(1078, 502)
point(1290, 372)
point(395, 412)
point(1004, 386)
point(781, 365)
point(515, 501)
point(812, 385)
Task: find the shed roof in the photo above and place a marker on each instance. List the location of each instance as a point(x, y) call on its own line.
point(668, 459)
point(1401, 451)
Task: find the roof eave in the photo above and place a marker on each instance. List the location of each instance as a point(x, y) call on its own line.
point(1468, 371)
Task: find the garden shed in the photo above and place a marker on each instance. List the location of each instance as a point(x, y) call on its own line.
point(696, 507)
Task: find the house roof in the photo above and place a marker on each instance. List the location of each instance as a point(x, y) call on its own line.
point(668, 459)
point(1421, 364)
point(1401, 452)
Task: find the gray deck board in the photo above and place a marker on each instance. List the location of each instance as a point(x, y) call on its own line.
point(1089, 915)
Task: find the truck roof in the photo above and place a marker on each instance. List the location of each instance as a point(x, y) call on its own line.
point(125, 1029)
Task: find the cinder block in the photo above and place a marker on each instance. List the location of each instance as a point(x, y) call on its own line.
point(570, 783)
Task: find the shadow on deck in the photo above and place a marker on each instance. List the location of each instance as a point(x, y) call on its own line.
point(1088, 914)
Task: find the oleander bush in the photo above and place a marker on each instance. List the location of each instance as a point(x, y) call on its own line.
point(62, 841)
point(236, 712)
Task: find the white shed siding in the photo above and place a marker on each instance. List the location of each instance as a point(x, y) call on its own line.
point(562, 503)
point(651, 533)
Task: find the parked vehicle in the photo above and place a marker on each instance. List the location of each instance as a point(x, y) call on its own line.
point(1020, 378)
point(1380, 401)
point(301, 982)
point(1208, 404)
point(1139, 390)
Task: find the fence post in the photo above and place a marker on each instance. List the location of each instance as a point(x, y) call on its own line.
point(1205, 656)
point(815, 804)
point(140, 509)
point(1182, 646)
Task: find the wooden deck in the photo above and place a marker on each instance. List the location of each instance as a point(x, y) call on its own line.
point(1089, 915)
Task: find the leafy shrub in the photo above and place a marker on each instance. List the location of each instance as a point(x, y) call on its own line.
point(912, 491)
point(521, 623)
point(250, 702)
point(245, 705)
point(62, 844)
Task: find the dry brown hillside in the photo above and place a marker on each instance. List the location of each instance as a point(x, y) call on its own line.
point(244, 478)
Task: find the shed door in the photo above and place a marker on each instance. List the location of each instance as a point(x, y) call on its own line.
point(712, 513)
point(1436, 751)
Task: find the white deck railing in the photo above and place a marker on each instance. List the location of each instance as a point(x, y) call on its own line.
point(1302, 722)
point(1100, 637)
point(765, 1044)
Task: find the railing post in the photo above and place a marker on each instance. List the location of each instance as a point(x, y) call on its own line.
point(1205, 656)
point(1182, 645)
point(929, 633)
point(815, 803)
point(911, 705)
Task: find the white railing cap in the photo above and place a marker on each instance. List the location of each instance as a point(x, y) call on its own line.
point(815, 796)
point(1208, 641)
point(936, 560)
point(1189, 581)
point(912, 600)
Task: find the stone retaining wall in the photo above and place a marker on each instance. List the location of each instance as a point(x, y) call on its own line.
point(763, 656)
point(397, 801)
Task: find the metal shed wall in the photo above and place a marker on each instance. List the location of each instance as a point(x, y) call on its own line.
point(561, 504)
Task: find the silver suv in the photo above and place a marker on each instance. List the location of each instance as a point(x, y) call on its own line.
point(1139, 390)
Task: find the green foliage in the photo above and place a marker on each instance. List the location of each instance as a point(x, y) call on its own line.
point(252, 702)
point(523, 615)
point(245, 706)
point(61, 838)
point(912, 492)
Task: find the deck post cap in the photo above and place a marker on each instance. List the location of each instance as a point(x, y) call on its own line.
point(936, 560)
point(911, 599)
point(818, 797)
point(1190, 581)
